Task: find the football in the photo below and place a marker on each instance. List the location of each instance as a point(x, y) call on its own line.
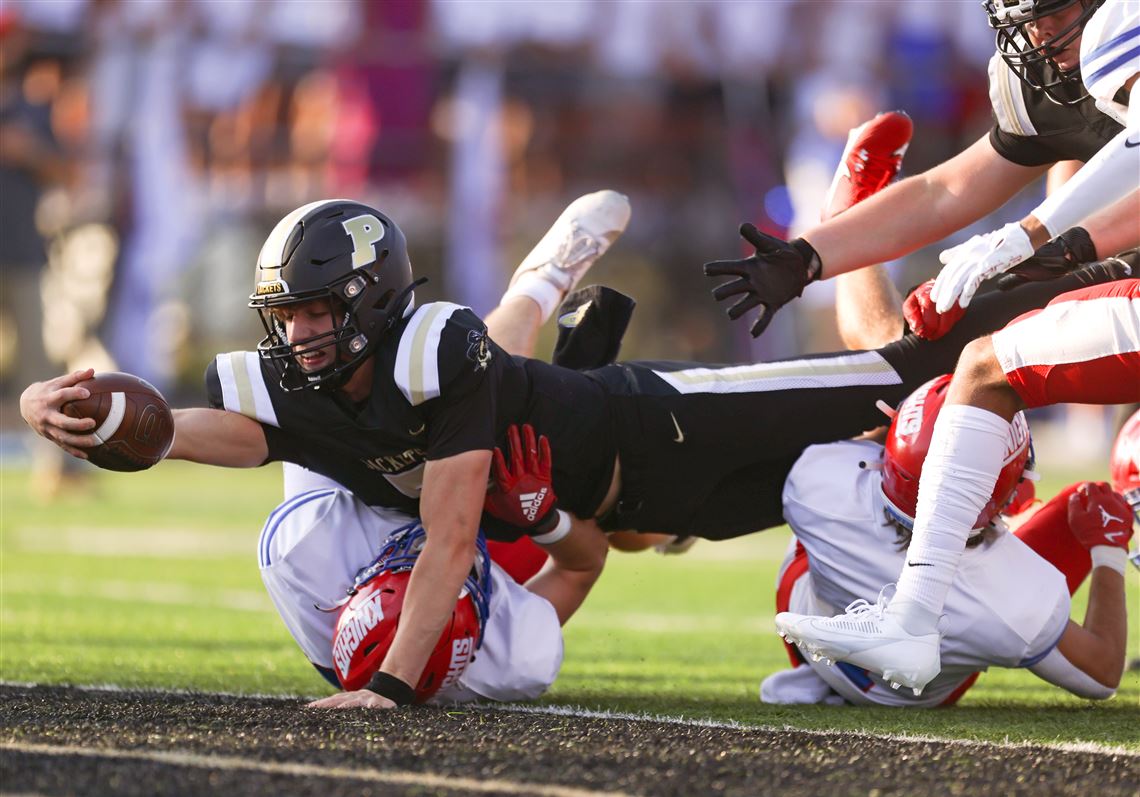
point(132, 421)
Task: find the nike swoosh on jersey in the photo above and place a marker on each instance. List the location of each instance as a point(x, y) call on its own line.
point(919, 564)
point(680, 438)
point(1130, 144)
point(416, 432)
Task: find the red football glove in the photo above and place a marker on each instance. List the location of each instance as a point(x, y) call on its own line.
point(522, 495)
point(924, 320)
point(1099, 516)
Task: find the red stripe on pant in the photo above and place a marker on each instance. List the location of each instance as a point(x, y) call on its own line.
point(796, 568)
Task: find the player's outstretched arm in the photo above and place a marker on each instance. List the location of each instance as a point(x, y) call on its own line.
point(1114, 229)
point(1110, 176)
point(896, 221)
point(450, 506)
point(218, 437)
point(575, 563)
point(212, 437)
point(1089, 659)
point(919, 210)
point(41, 407)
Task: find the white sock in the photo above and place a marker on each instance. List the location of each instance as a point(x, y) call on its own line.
point(542, 291)
point(958, 477)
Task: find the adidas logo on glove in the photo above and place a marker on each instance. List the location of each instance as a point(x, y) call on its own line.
point(532, 502)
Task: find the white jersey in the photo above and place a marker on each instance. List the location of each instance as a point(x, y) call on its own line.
point(309, 553)
point(1110, 53)
point(1007, 607)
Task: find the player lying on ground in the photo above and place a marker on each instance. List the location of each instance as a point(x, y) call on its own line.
point(851, 506)
point(1043, 115)
point(403, 406)
point(1083, 347)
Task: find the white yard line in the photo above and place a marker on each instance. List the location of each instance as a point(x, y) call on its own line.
point(234, 763)
point(573, 711)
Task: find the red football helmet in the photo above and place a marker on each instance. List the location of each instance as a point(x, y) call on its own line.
point(1124, 467)
point(367, 623)
point(908, 440)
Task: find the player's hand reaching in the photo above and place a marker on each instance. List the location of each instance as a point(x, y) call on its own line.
point(1099, 516)
point(769, 279)
point(41, 406)
point(361, 698)
point(922, 317)
point(968, 265)
point(522, 489)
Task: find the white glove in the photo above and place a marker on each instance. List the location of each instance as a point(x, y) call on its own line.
point(968, 265)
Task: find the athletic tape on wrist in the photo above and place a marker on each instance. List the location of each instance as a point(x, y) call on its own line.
point(559, 531)
point(1109, 556)
point(393, 688)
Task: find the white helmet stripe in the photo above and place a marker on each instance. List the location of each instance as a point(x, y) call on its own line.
point(274, 247)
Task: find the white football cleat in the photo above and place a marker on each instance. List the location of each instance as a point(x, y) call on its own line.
point(582, 234)
point(868, 637)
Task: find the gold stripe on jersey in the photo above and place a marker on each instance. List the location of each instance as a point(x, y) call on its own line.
point(417, 375)
point(245, 402)
point(1007, 100)
point(867, 368)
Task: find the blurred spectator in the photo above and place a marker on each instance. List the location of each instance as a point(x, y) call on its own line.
point(190, 126)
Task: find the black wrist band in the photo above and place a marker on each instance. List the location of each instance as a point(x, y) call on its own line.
point(810, 257)
point(393, 688)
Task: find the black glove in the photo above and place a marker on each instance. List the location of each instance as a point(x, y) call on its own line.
point(1067, 252)
point(776, 274)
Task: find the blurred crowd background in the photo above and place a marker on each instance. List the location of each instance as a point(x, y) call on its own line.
point(148, 146)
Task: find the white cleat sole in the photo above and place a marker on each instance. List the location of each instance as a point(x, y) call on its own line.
point(915, 679)
point(582, 234)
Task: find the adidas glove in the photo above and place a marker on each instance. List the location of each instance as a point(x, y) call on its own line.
point(521, 494)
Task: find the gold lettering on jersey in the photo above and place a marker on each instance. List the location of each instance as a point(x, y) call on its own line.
point(365, 231)
point(396, 463)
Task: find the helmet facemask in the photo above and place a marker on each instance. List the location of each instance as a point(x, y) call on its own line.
point(1035, 65)
point(352, 341)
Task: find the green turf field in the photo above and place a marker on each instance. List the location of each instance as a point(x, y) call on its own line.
point(151, 580)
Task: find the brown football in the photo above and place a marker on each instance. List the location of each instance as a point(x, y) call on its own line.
point(132, 419)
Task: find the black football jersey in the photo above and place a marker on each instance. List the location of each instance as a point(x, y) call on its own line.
point(1032, 130)
point(441, 387)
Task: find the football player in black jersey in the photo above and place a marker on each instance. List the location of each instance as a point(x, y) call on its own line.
point(1042, 115)
point(404, 405)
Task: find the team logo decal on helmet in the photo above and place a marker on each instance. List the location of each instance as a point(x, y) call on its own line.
point(1035, 64)
point(908, 441)
point(369, 619)
point(340, 251)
